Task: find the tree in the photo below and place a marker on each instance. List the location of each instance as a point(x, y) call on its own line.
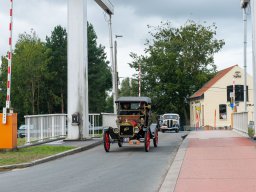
point(57, 83)
point(29, 71)
point(129, 87)
point(99, 74)
point(177, 62)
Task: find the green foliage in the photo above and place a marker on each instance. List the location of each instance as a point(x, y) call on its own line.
point(177, 62)
point(129, 87)
point(251, 132)
point(29, 71)
point(109, 108)
point(99, 74)
point(39, 74)
point(57, 98)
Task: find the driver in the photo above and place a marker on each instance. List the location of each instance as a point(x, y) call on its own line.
point(125, 109)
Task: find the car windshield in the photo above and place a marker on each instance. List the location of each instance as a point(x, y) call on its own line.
point(171, 117)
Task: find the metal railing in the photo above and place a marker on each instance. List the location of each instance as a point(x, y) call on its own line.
point(42, 127)
point(95, 124)
point(53, 126)
point(240, 122)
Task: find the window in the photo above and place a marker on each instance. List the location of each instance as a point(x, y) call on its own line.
point(239, 92)
point(223, 111)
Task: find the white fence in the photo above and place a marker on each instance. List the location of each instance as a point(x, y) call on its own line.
point(95, 127)
point(240, 122)
point(52, 126)
point(41, 127)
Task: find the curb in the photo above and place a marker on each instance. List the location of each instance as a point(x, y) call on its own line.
point(50, 158)
point(174, 170)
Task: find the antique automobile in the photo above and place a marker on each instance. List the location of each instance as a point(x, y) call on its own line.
point(133, 124)
point(169, 122)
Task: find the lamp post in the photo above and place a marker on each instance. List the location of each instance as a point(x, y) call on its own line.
point(109, 9)
point(116, 71)
point(244, 4)
point(254, 58)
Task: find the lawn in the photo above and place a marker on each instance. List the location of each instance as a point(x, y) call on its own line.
point(30, 153)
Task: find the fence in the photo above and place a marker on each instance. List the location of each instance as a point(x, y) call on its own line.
point(95, 126)
point(41, 127)
point(240, 122)
point(52, 126)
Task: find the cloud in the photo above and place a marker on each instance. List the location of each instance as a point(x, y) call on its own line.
point(182, 8)
point(130, 19)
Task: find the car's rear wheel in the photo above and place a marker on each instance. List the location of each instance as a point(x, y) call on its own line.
point(155, 140)
point(106, 140)
point(177, 130)
point(147, 140)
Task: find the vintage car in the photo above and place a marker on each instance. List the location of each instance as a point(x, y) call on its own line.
point(133, 124)
point(170, 121)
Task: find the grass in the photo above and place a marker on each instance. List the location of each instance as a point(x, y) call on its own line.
point(30, 153)
point(21, 141)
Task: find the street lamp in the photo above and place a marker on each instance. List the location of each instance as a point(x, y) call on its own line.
point(116, 72)
point(107, 6)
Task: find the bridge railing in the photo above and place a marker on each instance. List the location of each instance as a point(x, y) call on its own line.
point(95, 126)
point(53, 126)
point(42, 127)
point(240, 122)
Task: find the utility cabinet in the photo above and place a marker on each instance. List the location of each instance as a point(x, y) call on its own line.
point(8, 132)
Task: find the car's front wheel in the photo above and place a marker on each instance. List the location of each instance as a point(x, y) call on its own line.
point(106, 140)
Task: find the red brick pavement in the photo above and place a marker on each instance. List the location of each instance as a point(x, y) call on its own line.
point(218, 164)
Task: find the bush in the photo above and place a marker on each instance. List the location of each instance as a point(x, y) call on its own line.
point(251, 132)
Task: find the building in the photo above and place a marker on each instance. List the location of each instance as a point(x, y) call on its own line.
point(212, 105)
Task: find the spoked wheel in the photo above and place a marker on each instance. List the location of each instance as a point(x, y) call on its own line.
point(106, 140)
point(147, 140)
point(155, 140)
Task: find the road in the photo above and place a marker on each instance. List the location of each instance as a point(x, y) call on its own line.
point(126, 169)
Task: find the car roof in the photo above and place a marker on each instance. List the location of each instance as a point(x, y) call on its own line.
point(133, 99)
point(171, 114)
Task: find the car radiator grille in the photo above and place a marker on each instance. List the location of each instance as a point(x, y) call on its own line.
point(170, 123)
point(126, 130)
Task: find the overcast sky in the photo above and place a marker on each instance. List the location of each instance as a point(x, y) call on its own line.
point(130, 20)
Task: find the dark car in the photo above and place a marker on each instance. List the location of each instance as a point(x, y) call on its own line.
point(22, 130)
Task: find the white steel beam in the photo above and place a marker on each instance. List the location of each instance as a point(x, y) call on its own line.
point(253, 6)
point(77, 69)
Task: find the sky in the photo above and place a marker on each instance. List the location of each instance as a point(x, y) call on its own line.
point(130, 20)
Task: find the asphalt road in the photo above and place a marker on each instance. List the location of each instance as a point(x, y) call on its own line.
point(126, 169)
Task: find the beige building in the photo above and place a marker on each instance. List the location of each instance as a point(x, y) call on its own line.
point(212, 104)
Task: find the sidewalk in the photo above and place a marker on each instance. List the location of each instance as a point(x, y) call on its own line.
point(213, 161)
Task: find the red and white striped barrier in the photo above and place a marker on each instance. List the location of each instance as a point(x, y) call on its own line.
point(8, 96)
point(9, 71)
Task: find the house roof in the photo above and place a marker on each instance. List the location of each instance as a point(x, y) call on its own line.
point(210, 83)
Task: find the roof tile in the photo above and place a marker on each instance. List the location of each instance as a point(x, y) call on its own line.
point(210, 83)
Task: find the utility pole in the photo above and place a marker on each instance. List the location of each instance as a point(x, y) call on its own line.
point(244, 4)
point(254, 58)
point(109, 9)
point(116, 71)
